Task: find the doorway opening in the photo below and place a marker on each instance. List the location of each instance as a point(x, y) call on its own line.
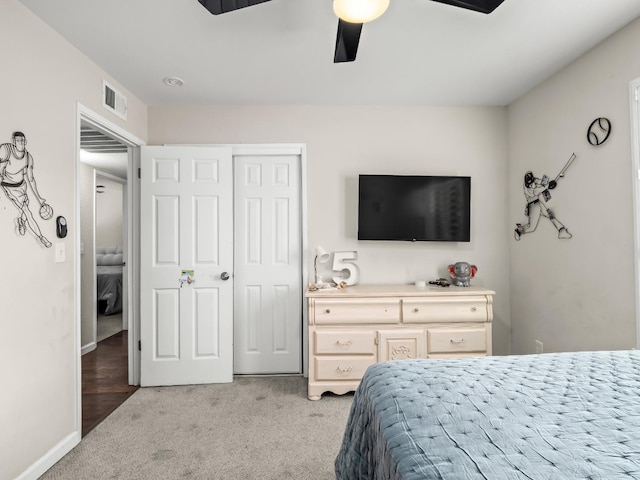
point(108, 240)
point(106, 278)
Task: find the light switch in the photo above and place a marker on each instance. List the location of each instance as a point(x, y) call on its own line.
point(60, 253)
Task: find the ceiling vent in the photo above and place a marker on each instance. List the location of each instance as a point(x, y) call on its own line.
point(114, 100)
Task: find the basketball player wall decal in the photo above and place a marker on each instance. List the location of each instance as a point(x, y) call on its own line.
point(16, 174)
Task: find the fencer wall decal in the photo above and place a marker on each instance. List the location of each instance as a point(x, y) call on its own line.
point(16, 177)
point(537, 194)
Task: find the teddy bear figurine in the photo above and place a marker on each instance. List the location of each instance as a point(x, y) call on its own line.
point(461, 273)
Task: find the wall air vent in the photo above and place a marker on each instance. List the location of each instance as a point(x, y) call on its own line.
point(114, 100)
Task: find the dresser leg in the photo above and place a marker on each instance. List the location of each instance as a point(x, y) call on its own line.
point(315, 397)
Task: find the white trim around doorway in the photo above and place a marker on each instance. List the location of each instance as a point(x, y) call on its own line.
point(634, 98)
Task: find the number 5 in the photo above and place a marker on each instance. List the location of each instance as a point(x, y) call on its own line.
point(340, 264)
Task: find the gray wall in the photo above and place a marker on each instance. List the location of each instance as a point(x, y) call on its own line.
point(41, 87)
point(109, 214)
point(345, 141)
point(87, 263)
point(577, 294)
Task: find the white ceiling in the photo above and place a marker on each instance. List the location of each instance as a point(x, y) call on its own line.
point(112, 163)
point(281, 52)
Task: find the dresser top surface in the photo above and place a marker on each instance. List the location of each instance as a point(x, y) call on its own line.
point(397, 291)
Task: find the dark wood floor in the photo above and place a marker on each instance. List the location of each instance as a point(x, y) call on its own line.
point(104, 380)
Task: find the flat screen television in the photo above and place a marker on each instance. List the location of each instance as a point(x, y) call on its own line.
point(414, 208)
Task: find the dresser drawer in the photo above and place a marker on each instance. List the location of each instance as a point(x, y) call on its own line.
point(356, 310)
point(457, 355)
point(450, 309)
point(345, 342)
point(342, 367)
point(456, 340)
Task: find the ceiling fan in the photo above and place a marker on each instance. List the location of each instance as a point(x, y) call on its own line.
point(350, 18)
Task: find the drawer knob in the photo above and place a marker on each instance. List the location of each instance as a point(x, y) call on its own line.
point(457, 342)
point(343, 344)
point(473, 309)
point(416, 310)
point(344, 371)
point(328, 310)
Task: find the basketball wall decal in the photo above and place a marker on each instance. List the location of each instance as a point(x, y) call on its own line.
point(46, 212)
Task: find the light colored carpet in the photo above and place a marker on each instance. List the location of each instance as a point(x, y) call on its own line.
point(254, 428)
point(108, 325)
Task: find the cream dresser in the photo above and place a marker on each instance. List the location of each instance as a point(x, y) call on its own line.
point(355, 327)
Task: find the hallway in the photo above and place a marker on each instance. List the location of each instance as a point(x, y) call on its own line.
point(104, 380)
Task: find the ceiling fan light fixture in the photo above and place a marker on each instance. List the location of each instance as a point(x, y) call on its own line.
point(359, 11)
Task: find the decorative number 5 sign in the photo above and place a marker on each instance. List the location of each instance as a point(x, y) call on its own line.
point(344, 261)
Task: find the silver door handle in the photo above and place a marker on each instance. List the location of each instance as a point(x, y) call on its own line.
point(224, 276)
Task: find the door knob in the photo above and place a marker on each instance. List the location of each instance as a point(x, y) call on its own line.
point(224, 276)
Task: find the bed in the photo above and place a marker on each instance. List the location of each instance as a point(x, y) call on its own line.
point(548, 416)
point(109, 266)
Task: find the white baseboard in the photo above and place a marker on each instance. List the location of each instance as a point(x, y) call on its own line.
point(89, 347)
point(51, 457)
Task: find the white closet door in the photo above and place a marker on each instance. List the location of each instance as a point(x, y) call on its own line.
point(268, 297)
point(186, 225)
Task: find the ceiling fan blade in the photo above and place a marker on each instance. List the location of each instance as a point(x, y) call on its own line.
point(482, 6)
point(223, 6)
point(347, 41)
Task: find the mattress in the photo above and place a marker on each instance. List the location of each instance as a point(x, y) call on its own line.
point(109, 283)
point(549, 416)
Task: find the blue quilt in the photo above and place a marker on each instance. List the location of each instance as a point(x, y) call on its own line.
point(551, 416)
